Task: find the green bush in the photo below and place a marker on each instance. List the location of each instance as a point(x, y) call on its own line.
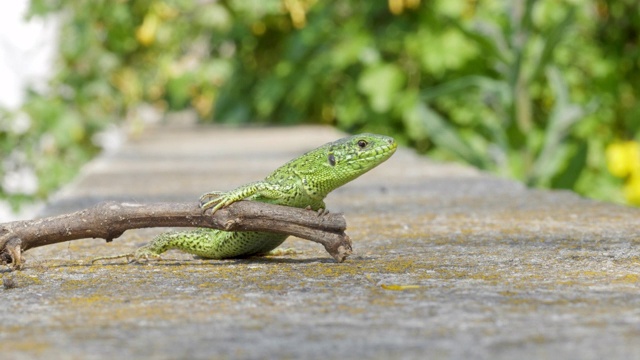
point(532, 90)
point(521, 88)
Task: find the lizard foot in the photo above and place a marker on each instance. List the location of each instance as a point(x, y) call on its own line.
point(212, 194)
point(143, 255)
point(215, 200)
point(321, 211)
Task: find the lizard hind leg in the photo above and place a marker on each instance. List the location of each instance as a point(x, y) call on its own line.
point(206, 243)
point(143, 254)
point(202, 242)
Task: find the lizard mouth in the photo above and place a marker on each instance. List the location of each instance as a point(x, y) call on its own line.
point(383, 151)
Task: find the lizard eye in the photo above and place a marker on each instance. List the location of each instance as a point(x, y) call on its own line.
point(332, 160)
point(362, 143)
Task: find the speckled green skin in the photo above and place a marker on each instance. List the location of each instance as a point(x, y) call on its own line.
point(302, 182)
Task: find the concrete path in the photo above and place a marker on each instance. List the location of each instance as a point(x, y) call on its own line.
point(449, 263)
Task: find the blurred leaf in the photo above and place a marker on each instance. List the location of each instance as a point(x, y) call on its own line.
point(490, 38)
point(441, 52)
point(350, 50)
point(571, 172)
point(179, 91)
point(214, 16)
point(563, 115)
point(423, 122)
point(381, 83)
point(552, 39)
point(453, 87)
point(269, 93)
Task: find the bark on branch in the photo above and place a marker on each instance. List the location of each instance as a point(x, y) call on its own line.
point(108, 220)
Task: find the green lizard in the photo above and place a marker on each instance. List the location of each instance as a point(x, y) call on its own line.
point(303, 182)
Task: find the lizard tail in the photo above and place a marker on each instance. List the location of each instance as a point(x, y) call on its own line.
point(128, 255)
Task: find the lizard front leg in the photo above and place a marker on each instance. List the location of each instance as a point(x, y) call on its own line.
point(217, 199)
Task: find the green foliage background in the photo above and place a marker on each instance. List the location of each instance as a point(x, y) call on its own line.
point(532, 90)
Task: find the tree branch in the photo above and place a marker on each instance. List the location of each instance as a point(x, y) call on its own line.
point(108, 220)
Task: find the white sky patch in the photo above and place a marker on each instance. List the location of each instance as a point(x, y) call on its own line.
point(27, 51)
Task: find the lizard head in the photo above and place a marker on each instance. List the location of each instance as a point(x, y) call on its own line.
point(345, 159)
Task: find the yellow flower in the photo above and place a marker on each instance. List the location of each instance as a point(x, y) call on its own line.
point(632, 188)
point(297, 12)
point(397, 6)
point(146, 33)
point(623, 158)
